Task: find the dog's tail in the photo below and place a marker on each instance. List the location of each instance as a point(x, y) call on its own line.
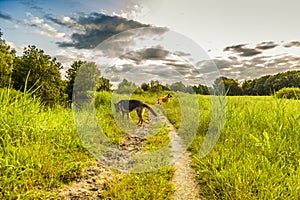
point(151, 110)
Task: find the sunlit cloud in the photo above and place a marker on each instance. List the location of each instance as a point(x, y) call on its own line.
point(43, 27)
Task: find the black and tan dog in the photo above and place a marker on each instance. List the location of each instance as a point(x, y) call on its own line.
point(126, 106)
point(164, 99)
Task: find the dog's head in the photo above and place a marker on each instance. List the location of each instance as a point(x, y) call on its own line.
point(117, 107)
point(169, 95)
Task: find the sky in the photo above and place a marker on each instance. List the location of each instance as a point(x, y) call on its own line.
point(192, 41)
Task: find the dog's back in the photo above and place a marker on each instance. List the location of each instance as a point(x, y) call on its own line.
point(129, 105)
point(164, 99)
point(126, 106)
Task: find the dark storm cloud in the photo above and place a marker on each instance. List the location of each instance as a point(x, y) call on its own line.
point(5, 16)
point(96, 28)
point(122, 45)
point(266, 45)
point(59, 21)
point(180, 53)
point(146, 54)
point(222, 63)
point(242, 50)
point(184, 68)
point(292, 44)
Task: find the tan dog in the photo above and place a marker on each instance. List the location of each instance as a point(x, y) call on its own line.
point(164, 99)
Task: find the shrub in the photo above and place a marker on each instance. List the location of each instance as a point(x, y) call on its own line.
point(102, 98)
point(288, 93)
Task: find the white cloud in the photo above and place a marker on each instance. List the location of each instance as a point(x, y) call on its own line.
point(136, 12)
point(66, 19)
point(28, 14)
point(37, 20)
point(44, 28)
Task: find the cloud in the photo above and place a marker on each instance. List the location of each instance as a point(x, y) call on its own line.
point(43, 27)
point(5, 16)
point(145, 72)
point(63, 21)
point(242, 50)
point(155, 53)
point(32, 5)
point(292, 44)
point(266, 45)
point(187, 72)
point(134, 11)
point(255, 67)
point(96, 27)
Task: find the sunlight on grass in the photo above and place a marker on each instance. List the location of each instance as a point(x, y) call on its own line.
point(40, 149)
point(257, 155)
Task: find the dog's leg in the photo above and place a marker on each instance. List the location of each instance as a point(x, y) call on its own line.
point(139, 112)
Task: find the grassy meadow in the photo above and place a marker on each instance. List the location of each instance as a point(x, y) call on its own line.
point(256, 157)
point(41, 152)
point(40, 149)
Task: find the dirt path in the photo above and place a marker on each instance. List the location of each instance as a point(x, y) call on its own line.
point(89, 185)
point(186, 187)
point(93, 181)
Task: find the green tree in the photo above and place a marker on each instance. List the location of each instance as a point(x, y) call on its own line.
point(126, 87)
point(190, 90)
point(86, 80)
point(145, 86)
point(230, 86)
point(40, 73)
point(7, 56)
point(268, 84)
point(103, 84)
point(248, 87)
point(157, 87)
point(201, 89)
point(259, 85)
point(71, 75)
point(89, 78)
point(178, 86)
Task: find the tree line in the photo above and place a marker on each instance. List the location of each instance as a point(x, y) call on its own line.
point(40, 73)
point(263, 86)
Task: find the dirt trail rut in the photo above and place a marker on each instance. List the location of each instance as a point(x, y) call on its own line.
point(93, 181)
point(186, 187)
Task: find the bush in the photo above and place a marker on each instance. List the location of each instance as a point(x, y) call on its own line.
point(288, 93)
point(102, 98)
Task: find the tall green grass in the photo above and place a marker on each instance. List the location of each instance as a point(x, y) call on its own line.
point(257, 155)
point(40, 149)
